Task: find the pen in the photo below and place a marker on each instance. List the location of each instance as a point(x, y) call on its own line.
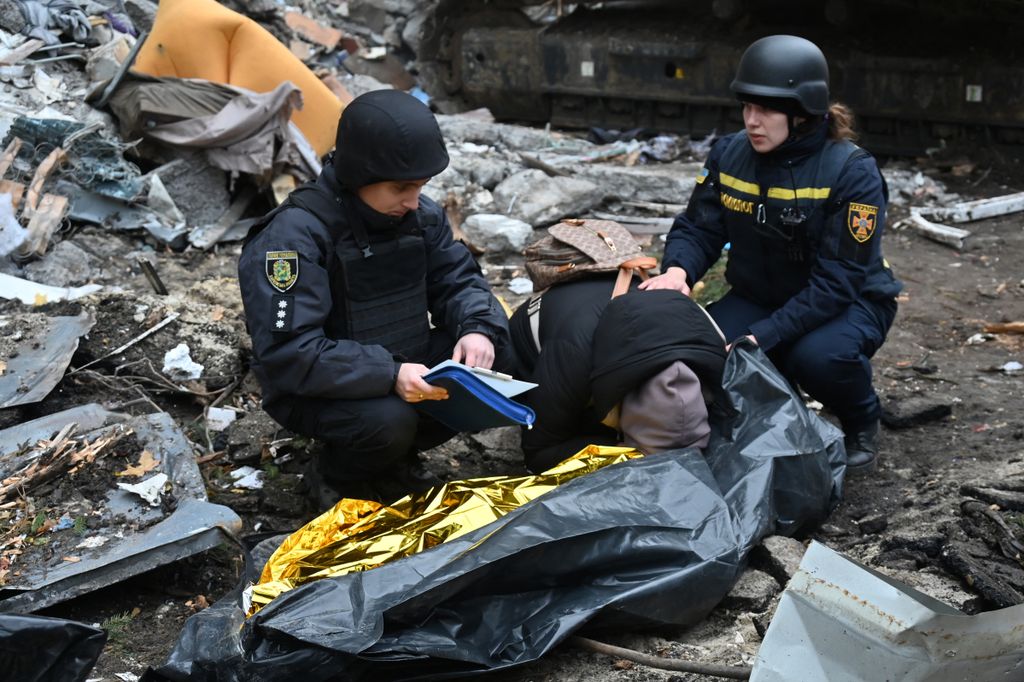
point(492, 373)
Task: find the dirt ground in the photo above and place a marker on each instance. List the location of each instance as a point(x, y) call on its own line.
point(904, 520)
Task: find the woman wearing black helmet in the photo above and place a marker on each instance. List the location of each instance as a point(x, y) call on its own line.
point(803, 208)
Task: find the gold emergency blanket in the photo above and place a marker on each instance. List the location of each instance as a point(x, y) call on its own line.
point(357, 535)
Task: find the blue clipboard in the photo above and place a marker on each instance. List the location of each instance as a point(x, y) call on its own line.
point(472, 405)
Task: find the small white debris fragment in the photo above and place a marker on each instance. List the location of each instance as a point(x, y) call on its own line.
point(127, 677)
point(520, 285)
point(218, 418)
point(92, 543)
point(247, 477)
point(471, 148)
point(979, 338)
point(149, 490)
point(178, 364)
point(1011, 367)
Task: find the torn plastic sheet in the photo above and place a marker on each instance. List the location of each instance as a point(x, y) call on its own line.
point(40, 649)
point(95, 161)
point(839, 621)
point(652, 541)
point(239, 130)
point(33, 293)
point(37, 363)
point(194, 525)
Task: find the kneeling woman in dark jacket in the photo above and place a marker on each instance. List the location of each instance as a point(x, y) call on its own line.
point(590, 354)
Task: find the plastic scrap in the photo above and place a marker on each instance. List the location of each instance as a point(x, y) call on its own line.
point(178, 364)
point(247, 477)
point(653, 541)
point(149, 490)
point(219, 418)
point(12, 234)
point(839, 621)
point(33, 293)
point(40, 649)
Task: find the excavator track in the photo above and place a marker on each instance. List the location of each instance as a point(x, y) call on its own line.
point(918, 75)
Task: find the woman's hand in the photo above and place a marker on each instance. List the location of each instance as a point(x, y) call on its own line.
point(474, 350)
point(674, 278)
point(410, 386)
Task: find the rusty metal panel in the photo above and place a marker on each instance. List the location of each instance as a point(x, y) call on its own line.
point(839, 621)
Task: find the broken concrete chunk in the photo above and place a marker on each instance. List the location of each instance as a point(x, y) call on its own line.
point(66, 265)
point(781, 556)
point(462, 128)
point(874, 524)
point(246, 436)
point(535, 198)
point(485, 171)
point(497, 233)
point(903, 414)
point(668, 183)
point(752, 592)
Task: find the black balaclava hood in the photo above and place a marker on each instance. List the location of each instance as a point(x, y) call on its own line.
point(387, 135)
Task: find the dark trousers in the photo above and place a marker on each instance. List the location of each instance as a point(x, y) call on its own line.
point(372, 437)
point(831, 363)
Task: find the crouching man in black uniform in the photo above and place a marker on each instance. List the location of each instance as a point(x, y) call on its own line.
point(337, 284)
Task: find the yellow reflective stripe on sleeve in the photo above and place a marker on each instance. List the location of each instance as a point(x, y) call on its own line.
point(729, 181)
point(800, 193)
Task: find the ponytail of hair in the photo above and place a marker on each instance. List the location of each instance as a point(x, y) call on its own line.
point(840, 122)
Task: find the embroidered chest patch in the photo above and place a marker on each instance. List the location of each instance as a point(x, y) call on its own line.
point(282, 269)
point(862, 220)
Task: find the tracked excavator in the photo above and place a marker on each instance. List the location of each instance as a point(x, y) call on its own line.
point(920, 74)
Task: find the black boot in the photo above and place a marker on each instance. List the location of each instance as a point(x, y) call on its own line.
point(410, 479)
point(324, 492)
point(861, 449)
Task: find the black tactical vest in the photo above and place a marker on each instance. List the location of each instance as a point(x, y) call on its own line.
point(774, 217)
point(378, 281)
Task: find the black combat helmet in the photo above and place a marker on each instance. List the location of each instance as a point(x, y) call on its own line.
point(784, 70)
point(387, 135)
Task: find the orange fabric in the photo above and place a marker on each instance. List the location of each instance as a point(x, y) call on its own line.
point(203, 39)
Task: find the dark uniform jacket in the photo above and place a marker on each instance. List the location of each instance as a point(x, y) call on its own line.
point(594, 351)
point(302, 301)
point(805, 224)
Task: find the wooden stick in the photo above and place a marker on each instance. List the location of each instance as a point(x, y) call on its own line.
point(24, 50)
point(156, 327)
point(44, 221)
point(35, 187)
point(1005, 328)
point(728, 671)
point(9, 155)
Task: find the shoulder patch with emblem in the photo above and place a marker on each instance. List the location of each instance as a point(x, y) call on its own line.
point(861, 220)
point(282, 312)
point(282, 269)
point(702, 176)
